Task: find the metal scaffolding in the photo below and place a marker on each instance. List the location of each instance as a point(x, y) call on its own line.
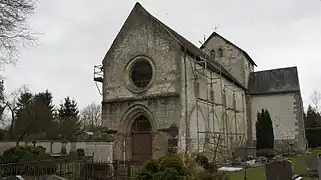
point(216, 142)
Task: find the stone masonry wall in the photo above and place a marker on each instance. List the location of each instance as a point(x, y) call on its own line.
point(141, 36)
point(164, 111)
point(233, 59)
point(101, 151)
point(300, 138)
point(286, 114)
point(213, 114)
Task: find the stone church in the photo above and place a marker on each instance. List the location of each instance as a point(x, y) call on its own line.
point(163, 94)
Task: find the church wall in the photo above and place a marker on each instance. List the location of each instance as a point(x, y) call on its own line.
point(233, 59)
point(164, 111)
point(216, 118)
point(248, 68)
point(141, 36)
point(286, 113)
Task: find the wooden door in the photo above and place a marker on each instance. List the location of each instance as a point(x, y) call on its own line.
point(141, 140)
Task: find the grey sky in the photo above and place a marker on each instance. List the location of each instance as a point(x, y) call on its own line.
point(78, 33)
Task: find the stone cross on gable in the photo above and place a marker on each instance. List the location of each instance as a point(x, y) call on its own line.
point(215, 28)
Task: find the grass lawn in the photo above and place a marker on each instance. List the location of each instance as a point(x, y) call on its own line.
point(258, 173)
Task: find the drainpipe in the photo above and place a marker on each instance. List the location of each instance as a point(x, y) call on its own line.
point(124, 150)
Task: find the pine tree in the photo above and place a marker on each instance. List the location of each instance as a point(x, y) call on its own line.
point(45, 109)
point(25, 116)
point(312, 122)
point(68, 116)
point(312, 118)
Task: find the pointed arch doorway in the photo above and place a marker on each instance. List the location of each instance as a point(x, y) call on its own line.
point(142, 139)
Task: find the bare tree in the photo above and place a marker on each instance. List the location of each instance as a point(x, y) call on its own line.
point(14, 27)
point(9, 108)
point(315, 98)
point(91, 116)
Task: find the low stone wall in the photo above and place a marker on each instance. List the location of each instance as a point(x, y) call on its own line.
point(101, 151)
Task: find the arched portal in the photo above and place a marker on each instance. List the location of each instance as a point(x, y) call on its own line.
point(141, 130)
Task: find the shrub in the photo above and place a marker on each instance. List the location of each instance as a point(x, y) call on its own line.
point(201, 160)
point(23, 154)
point(268, 153)
point(167, 167)
point(63, 150)
point(80, 152)
point(171, 162)
point(26, 161)
point(175, 167)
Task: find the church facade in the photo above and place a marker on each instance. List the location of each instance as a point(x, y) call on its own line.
point(161, 93)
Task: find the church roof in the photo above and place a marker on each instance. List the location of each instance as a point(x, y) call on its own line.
point(192, 50)
point(274, 81)
point(247, 56)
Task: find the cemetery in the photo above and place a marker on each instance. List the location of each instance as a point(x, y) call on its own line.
point(305, 166)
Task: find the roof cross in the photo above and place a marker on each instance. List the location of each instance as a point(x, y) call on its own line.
point(215, 28)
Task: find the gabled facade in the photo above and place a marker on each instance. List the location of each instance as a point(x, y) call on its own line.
point(126, 104)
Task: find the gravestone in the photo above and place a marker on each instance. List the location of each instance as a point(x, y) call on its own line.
point(279, 170)
point(73, 147)
point(312, 164)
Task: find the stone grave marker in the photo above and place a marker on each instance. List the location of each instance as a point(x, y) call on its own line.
point(279, 170)
point(312, 164)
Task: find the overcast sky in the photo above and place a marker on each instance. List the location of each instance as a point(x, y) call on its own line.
point(76, 34)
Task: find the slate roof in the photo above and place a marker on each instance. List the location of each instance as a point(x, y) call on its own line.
point(274, 81)
point(192, 50)
point(247, 56)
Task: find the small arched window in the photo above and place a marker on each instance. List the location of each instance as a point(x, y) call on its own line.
point(220, 52)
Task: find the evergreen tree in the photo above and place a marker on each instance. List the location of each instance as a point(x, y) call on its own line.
point(258, 128)
point(34, 115)
point(269, 129)
point(312, 118)
point(68, 116)
point(25, 116)
point(312, 122)
point(264, 130)
point(44, 114)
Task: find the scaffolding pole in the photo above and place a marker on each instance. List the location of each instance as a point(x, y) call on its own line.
point(195, 62)
point(199, 70)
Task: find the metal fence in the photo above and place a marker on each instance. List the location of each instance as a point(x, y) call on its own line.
point(75, 168)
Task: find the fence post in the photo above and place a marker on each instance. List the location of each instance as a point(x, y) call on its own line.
point(115, 164)
point(319, 165)
point(128, 169)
